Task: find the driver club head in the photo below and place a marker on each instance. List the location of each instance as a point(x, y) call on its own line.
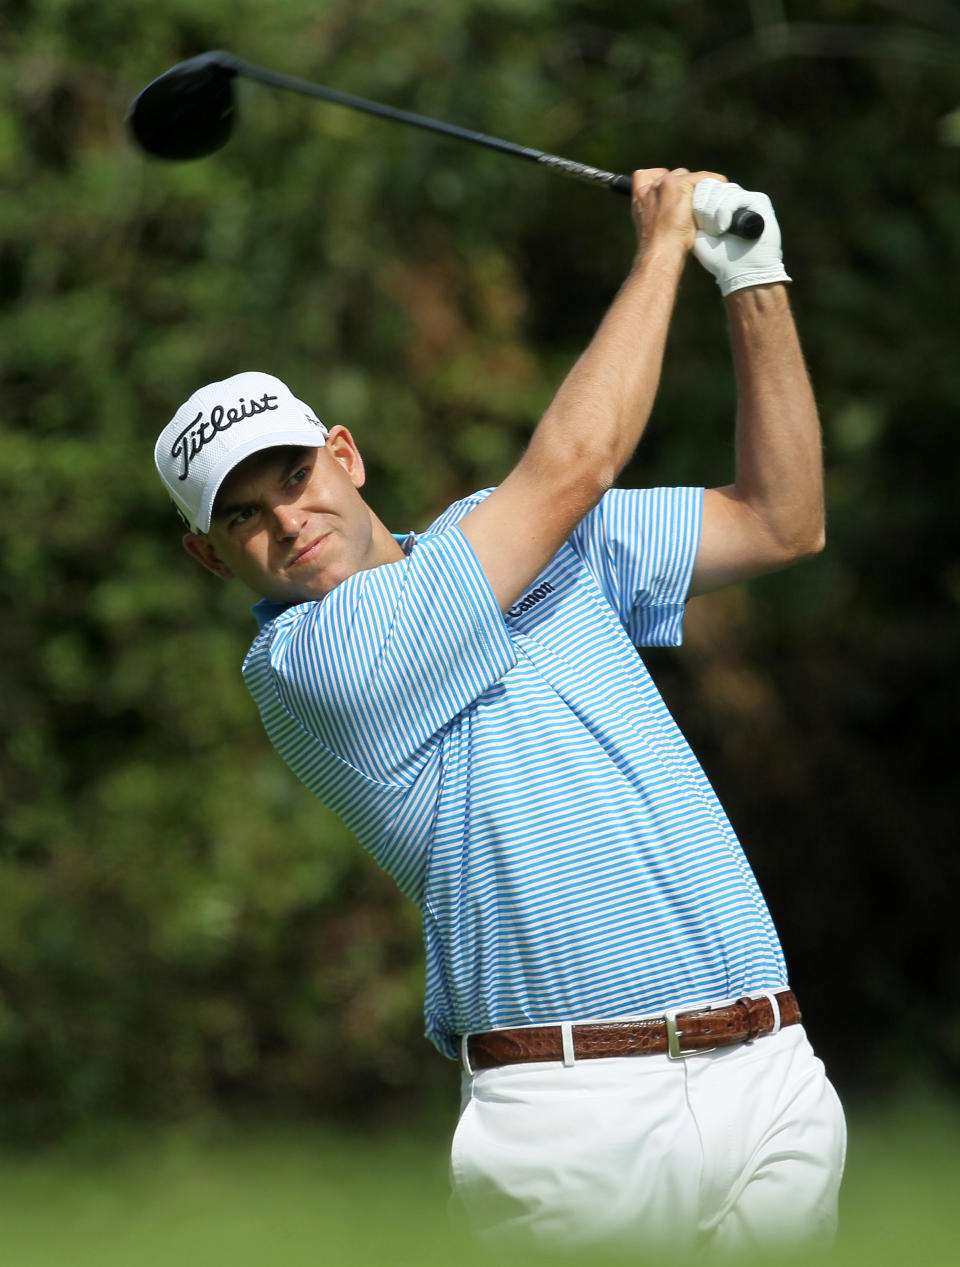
point(187, 112)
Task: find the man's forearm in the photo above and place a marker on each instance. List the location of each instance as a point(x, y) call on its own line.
point(607, 397)
point(779, 464)
point(596, 418)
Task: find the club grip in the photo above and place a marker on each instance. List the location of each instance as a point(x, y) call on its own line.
point(744, 224)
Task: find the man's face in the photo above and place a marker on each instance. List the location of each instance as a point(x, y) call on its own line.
point(290, 523)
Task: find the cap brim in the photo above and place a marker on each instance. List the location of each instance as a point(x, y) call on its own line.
point(312, 438)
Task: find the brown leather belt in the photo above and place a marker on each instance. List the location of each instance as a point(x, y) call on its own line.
point(677, 1033)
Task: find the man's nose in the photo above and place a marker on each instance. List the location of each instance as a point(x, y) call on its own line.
point(288, 520)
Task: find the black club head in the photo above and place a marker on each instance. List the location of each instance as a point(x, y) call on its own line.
point(188, 112)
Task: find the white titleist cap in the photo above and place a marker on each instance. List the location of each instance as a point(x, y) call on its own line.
point(219, 426)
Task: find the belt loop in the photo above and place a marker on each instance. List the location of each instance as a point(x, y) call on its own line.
point(465, 1054)
point(566, 1038)
point(775, 1008)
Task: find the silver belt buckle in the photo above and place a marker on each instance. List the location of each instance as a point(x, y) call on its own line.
point(674, 1050)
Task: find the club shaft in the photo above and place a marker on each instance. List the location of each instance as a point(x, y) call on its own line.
point(566, 166)
point(745, 223)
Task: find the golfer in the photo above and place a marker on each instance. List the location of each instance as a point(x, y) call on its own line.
point(470, 700)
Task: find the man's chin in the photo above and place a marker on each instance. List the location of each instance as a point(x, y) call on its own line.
point(308, 585)
point(309, 590)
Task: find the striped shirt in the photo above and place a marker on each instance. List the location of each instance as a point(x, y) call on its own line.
point(519, 775)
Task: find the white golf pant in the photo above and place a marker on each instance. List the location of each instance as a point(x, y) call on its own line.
point(726, 1151)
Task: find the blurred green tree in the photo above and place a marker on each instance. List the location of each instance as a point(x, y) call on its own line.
point(181, 926)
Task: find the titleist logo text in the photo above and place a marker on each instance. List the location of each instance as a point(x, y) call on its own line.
point(202, 430)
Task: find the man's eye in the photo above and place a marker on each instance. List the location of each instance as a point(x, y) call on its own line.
point(299, 476)
point(242, 517)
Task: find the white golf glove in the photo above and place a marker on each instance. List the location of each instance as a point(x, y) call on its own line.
point(735, 262)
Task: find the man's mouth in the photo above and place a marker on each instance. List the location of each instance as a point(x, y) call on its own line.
point(309, 552)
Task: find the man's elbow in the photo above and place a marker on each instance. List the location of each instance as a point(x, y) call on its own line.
point(816, 531)
point(580, 471)
point(805, 543)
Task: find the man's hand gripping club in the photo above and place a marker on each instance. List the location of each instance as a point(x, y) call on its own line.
point(734, 262)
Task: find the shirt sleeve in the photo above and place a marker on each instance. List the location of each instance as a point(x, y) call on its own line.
point(641, 545)
point(383, 663)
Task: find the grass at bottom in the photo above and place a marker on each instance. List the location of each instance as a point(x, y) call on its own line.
point(899, 1200)
point(311, 1196)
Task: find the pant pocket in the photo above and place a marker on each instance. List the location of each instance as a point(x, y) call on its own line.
point(487, 1186)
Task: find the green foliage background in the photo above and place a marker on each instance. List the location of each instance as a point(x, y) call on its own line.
point(182, 928)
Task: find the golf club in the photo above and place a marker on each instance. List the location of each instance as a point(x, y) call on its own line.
point(189, 111)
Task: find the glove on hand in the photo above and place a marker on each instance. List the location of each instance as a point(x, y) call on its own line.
point(733, 261)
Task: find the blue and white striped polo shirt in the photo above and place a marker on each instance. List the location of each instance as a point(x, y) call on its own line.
point(519, 775)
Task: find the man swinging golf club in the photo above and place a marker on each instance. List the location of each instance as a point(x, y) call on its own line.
point(470, 701)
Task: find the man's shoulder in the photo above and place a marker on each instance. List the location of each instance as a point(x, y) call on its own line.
point(456, 510)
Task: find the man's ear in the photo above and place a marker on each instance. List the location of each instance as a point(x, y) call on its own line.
point(201, 548)
point(343, 449)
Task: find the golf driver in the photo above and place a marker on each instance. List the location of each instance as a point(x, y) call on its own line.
point(189, 112)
